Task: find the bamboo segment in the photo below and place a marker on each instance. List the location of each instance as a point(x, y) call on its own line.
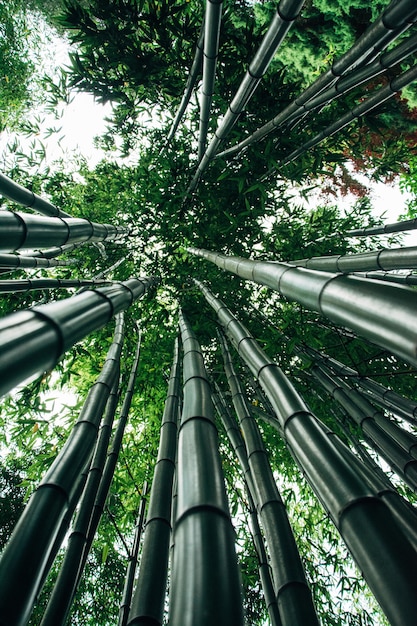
point(47, 331)
point(382, 551)
point(287, 11)
point(15, 192)
point(211, 48)
point(384, 259)
point(383, 314)
point(149, 597)
point(21, 261)
point(62, 596)
point(21, 230)
point(396, 227)
point(22, 567)
point(397, 447)
point(133, 560)
point(382, 396)
point(293, 594)
point(14, 286)
point(111, 461)
point(401, 279)
point(192, 78)
point(396, 18)
point(205, 587)
point(238, 445)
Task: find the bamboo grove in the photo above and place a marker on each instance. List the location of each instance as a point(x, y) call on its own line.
point(289, 401)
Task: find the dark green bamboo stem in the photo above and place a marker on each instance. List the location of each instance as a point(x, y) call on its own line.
point(287, 11)
point(395, 19)
point(380, 437)
point(22, 567)
point(384, 259)
point(50, 253)
point(19, 194)
point(149, 598)
point(212, 25)
point(195, 70)
point(111, 462)
point(380, 395)
point(133, 560)
point(22, 230)
point(205, 588)
point(402, 279)
point(21, 261)
point(357, 303)
point(293, 594)
point(396, 227)
point(14, 286)
point(47, 331)
point(239, 448)
point(363, 520)
point(59, 604)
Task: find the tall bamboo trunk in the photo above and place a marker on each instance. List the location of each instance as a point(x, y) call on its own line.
point(47, 331)
point(133, 560)
point(293, 594)
point(149, 598)
point(22, 567)
point(363, 520)
point(205, 588)
point(19, 194)
point(14, 286)
point(345, 300)
point(239, 448)
point(22, 230)
point(60, 602)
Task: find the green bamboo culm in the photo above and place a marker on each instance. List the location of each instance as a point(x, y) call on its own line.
point(20, 261)
point(111, 461)
point(397, 447)
point(363, 520)
point(59, 604)
point(358, 303)
point(239, 448)
point(14, 286)
point(149, 597)
point(293, 594)
point(394, 20)
point(205, 587)
point(22, 567)
point(133, 559)
point(19, 194)
point(383, 259)
point(47, 331)
point(22, 230)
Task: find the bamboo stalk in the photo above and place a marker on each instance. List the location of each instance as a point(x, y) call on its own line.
point(191, 80)
point(133, 560)
point(111, 462)
point(22, 230)
point(395, 19)
point(383, 314)
point(362, 519)
point(211, 48)
point(22, 567)
point(384, 397)
point(293, 594)
point(19, 194)
point(149, 597)
point(402, 279)
point(396, 227)
point(59, 604)
point(384, 259)
point(287, 11)
point(47, 331)
point(14, 286)
point(390, 442)
point(239, 448)
point(21, 261)
point(204, 538)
